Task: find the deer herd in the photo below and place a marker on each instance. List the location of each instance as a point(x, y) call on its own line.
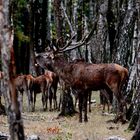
point(80, 76)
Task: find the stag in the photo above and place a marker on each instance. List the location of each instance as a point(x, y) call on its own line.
point(85, 77)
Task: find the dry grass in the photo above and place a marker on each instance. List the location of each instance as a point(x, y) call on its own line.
point(47, 127)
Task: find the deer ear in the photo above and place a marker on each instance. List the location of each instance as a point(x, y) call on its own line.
point(51, 55)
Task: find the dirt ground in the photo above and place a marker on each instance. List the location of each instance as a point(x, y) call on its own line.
point(48, 127)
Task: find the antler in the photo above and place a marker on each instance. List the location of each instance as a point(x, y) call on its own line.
point(68, 43)
point(84, 40)
point(71, 45)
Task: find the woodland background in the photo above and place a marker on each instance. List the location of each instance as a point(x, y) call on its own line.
point(114, 28)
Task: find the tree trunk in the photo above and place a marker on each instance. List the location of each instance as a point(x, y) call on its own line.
point(44, 23)
point(8, 67)
point(31, 52)
point(67, 108)
point(136, 135)
point(58, 18)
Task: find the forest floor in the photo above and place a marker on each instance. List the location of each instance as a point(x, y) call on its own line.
point(47, 126)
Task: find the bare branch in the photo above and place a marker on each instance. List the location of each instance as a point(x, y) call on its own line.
point(71, 44)
point(84, 40)
point(71, 28)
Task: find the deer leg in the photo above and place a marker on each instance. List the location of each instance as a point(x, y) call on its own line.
point(60, 101)
point(45, 94)
point(108, 104)
point(55, 101)
point(80, 107)
point(44, 90)
point(89, 97)
point(55, 97)
point(50, 101)
point(46, 100)
point(43, 101)
point(103, 101)
point(50, 94)
point(20, 99)
point(85, 107)
point(28, 100)
point(31, 100)
point(34, 100)
point(43, 98)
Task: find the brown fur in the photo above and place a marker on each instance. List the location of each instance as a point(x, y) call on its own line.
point(39, 84)
point(54, 78)
point(21, 86)
point(85, 77)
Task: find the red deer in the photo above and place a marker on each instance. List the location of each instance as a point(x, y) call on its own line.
point(29, 81)
point(39, 84)
point(22, 86)
point(55, 79)
point(85, 77)
point(52, 93)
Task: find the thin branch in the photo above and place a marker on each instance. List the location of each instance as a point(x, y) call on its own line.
point(70, 25)
point(83, 41)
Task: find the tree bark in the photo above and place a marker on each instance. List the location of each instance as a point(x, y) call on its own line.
point(67, 108)
point(31, 51)
point(136, 135)
point(58, 19)
point(8, 67)
point(44, 23)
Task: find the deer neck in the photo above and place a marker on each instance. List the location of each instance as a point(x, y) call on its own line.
point(59, 65)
